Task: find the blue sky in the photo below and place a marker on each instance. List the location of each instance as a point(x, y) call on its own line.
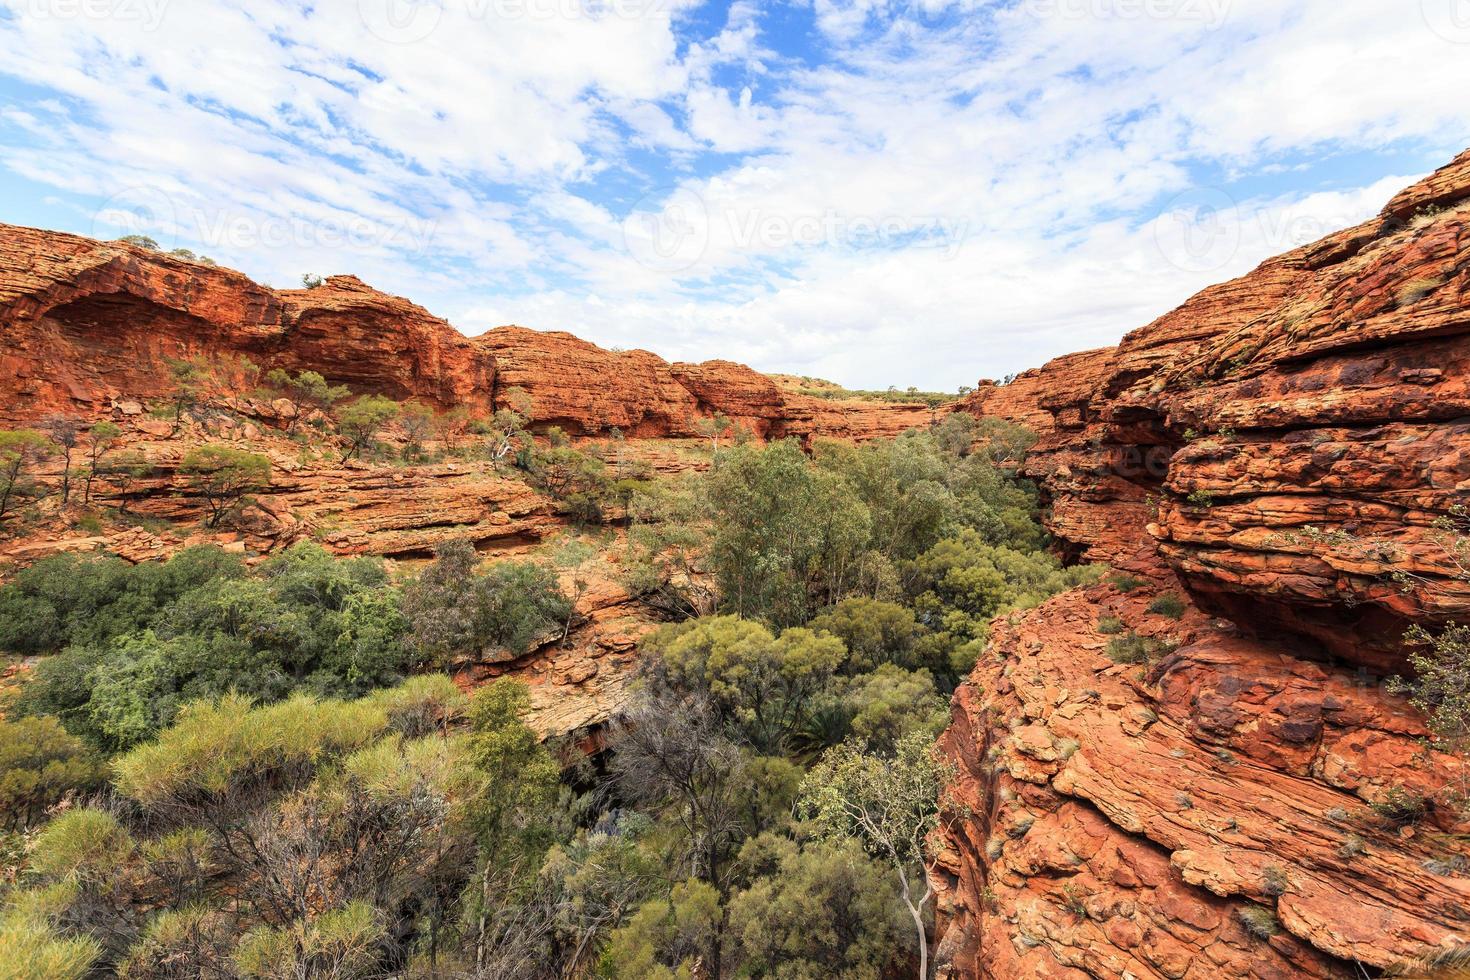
point(917, 193)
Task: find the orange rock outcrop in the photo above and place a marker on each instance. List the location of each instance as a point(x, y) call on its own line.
point(1289, 452)
point(84, 324)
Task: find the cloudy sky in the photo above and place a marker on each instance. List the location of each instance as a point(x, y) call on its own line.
point(920, 193)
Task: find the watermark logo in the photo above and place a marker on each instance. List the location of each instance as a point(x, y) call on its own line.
point(1199, 230)
point(1450, 19)
point(668, 231)
point(411, 21)
point(137, 211)
point(147, 14)
point(400, 21)
point(1211, 14)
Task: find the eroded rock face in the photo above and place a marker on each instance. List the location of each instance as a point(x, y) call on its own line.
point(86, 324)
point(1132, 819)
point(1279, 451)
point(1289, 439)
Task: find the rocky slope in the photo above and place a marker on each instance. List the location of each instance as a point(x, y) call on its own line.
point(86, 324)
point(1284, 450)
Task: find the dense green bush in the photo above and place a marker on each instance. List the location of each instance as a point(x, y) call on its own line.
point(40, 764)
point(455, 609)
point(198, 627)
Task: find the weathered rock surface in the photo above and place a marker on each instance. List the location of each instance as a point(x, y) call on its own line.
point(1290, 439)
point(1286, 449)
point(86, 324)
point(1122, 818)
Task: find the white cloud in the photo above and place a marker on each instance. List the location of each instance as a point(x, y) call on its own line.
point(927, 192)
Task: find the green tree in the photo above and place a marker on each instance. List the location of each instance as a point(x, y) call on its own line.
point(65, 434)
point(511, 811)
point(875, 632)
point(820, 910)
point(788, 538)
point(40, 765)
point(713, 428)
point(100, 440)
point(360, 422)
point(223, 476)
point(123, 471)
point(670, 938)
point(890, 804)
point(763, 686)
point(418, 422)
point(502, 613)
point(306, 392)
point(20, 451)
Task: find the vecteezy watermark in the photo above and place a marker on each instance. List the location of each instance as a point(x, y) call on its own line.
point(146, 13)
point(761, 229)
point(411, 21)
point(138, 212)
point(243, 232)
point(148, 213)
point(668, 231)
point(671, 231)
point(1450, 19)
point(1203, 229)
point(1199, 230)
point(1210, 13)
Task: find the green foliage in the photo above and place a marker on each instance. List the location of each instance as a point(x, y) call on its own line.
point(360, 423)
point(306, 392)
point(66, 599)
point(1126, 583)
point(20, 451)
point(1169, 605)
point(875, 632)
point(507, 610)
point(1132, 648)
point(40, 765)
point(1110, 625)
point(303, 620)
point(1400, 807)
point(961, 583)
point(31, 948)
point(820, 910)
point(337, 943)
point(892, 703)
point(82, 844)
point(1441, 684)
point(217, 747)
point(762, 685)
point(667, 939)
point(223, 476)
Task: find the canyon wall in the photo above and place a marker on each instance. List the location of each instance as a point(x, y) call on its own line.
point(1288, 452)
point(85, 324)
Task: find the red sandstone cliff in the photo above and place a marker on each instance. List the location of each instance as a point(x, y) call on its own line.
point(84, 323)
point(1280, 449)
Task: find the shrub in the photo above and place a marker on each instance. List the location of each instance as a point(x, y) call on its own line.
point(215, 747)
point(874, 632)
point(1126, 583)
point(223, 476)
point(20, 451)
point(453, 609)
point(1110, 625)
point(30, 949)
point(82, 844)
point(1401, 807)
point(1169, 605)
point(40, 764)
point(360, 422)
point(1258, 921)
point(1132, 649)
